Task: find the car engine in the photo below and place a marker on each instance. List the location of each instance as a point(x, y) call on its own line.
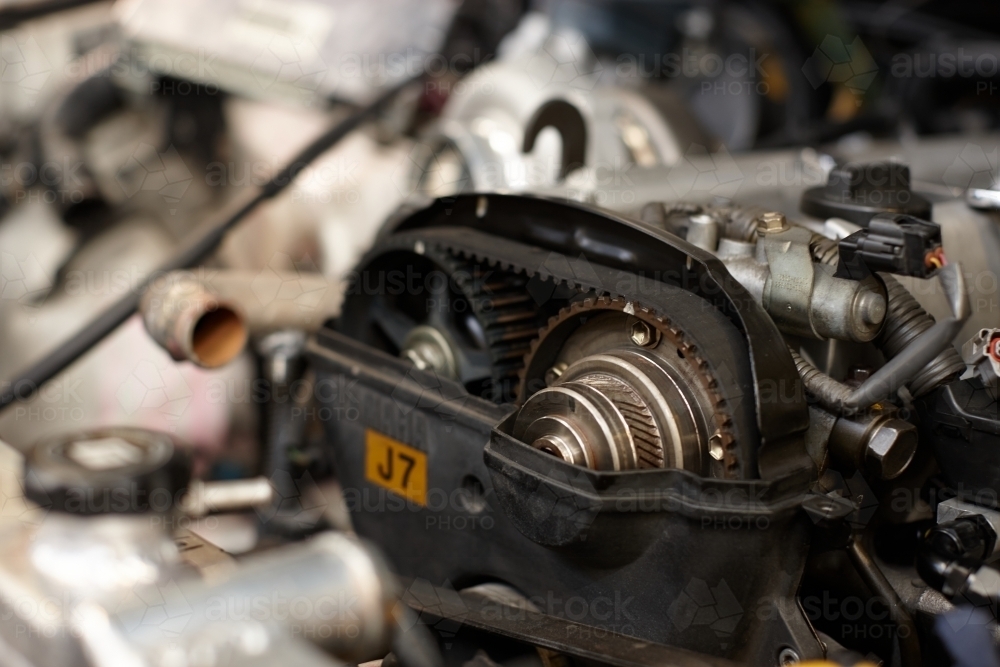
point(633, 335)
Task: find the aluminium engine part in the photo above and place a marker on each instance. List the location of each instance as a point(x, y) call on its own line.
point(926, 347)
point(204, 498)
point(103, 497)
point(168, 36)
point(490, 134)
point(790, 270)
point(802, 296)
point(346, 592)
point(433, 474)
point(97, 575)
point(885, 313)
point(703, 231)
point(737, 223)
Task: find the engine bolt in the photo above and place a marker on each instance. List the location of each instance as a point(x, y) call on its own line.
point(890, 448)
point(554, 373)
point(641, 334)
point(787, 656)
point(772, 221)
point(715, 447)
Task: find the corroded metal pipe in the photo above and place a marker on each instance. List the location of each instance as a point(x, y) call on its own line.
point(207, 319)
point(192, 323)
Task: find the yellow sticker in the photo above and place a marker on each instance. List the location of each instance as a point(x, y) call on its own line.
point(395, 466)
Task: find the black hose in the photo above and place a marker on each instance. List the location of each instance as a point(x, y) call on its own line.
point(905, 320)
point(28, 382)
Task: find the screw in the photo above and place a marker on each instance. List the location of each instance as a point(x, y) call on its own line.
point(715, 447)
point(641, 334)
point(772, 221)
point(787, 656)
point(554, 373)
point(858, 374)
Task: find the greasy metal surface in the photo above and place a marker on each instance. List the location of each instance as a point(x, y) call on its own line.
point(675, 415)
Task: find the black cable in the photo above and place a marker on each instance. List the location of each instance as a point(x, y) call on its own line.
point(28, 382)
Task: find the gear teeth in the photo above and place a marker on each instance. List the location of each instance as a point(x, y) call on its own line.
point(722, 421)
point(507, 374)
point(509, 317)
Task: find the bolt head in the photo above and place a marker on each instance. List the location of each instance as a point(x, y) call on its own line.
point(715, 448)
point(772, 221)
point(641, 333)
point(891, 447)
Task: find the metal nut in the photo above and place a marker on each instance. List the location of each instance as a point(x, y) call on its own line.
point(772, 221)
point(890, 448)
point(428, 349)
point(641, 334)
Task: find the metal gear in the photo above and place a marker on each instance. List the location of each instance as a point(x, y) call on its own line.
point(474, 324)
point(691, 382)
point(508, 317)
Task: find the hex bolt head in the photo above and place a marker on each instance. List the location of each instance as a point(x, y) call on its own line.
point(641, 334)
point(771, 222)
point(890, 448)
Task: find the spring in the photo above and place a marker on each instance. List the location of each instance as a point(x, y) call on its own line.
point(824, 250)
point(741, 223)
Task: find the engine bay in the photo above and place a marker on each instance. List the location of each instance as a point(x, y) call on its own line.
point(554, 357)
